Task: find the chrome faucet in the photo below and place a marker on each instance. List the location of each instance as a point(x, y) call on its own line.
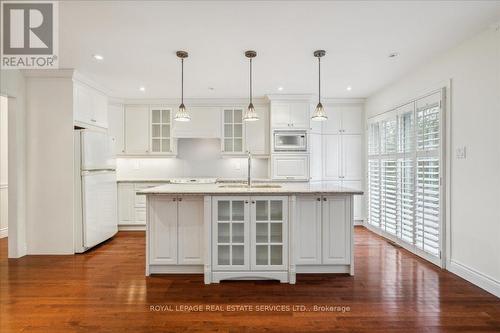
point(249, 169)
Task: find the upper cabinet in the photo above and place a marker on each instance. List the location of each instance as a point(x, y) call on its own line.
point(257, 133)
point(290, 115)
point(90, 106)
point(137, 127)
point(344, 118)
point(161, 128)
point(116, 130)
point(232, 129)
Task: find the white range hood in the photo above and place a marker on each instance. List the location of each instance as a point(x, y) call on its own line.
point(205, 123)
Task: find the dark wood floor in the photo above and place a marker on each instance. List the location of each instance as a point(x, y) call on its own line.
point(105, 290)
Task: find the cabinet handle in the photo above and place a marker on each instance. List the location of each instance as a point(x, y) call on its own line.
point(246, 201)
point(253, 202)
point(93, 120)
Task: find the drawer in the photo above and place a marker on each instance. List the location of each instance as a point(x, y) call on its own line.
point(140, 215)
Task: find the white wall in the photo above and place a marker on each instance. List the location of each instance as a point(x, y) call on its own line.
point(13, 85)
point(196, 158)
point(474, 70)
point(49, 131)
point(4, 158)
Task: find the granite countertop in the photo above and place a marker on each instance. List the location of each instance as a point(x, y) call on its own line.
point(167, 180)
point(317, 188)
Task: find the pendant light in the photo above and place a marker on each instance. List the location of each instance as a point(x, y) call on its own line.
point(182, 114)
point(320, 113)
point(250, 114)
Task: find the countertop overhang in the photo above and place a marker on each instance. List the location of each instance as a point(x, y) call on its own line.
point(316, 188)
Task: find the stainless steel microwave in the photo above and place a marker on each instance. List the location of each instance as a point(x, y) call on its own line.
point(290, 140)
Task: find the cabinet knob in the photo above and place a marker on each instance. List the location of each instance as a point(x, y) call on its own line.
point(324, 199)
point(253, 202)
point(175, 199)
point(318, 199)
point(246, 201)
point(180, 199)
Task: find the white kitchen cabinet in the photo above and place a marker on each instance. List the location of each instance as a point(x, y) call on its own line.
point(176, 230)
point(307, 245)
point(137, 129)
point(322, 230)
point(90, 106)
point(316, 155)
point(290, 167)
point(269, 226)
point(233, 131)
point(332, 165)
point(358, 200)
point(336, 223)
point(347, 119)
point(205, 123)
point(116, 128)
point(161, 129)
point(162, 231)
point(290, 115)
point(126, 204)
point(249, 236)
point(190, 230)
point(257, 133)
point(352, 157)
point(231, 233)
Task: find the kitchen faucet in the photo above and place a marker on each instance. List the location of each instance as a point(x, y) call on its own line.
point(249, 169)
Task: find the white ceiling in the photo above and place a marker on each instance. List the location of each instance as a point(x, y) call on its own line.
point(138, 40)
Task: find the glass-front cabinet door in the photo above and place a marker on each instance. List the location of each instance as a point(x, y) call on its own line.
point(269, 233)
point(230, 236)
point(233, 131)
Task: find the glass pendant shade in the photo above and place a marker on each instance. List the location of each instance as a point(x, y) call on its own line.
point(319, 114)
point(182, 114)
point(250, 114)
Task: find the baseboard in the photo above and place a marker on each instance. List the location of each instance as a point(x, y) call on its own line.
point(359, 222)
point(4, 232)
point(335, 269)
point(482, 281)
point(131, 227)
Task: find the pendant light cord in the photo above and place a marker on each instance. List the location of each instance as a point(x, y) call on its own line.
point(250, 80)
point(319, 80)
point(182, 81)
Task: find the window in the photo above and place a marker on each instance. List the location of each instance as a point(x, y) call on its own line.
point(404, 175)
point(160, 130)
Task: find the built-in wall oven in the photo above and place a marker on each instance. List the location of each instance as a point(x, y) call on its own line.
point(290, 140)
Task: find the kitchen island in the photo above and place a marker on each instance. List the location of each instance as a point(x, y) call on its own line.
point(266, 231)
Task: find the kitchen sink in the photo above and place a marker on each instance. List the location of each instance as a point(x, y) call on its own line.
point(253, 186)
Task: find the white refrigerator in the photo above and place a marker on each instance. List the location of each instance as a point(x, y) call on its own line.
point(96, 208)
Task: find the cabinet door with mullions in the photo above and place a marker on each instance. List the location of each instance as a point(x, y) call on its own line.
point(269, 233)
point(230, 233)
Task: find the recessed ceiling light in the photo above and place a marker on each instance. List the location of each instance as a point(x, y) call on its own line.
point(280, 88)
point(393, 55)
point(349, 88)
point(98, 57)
point(142, 89)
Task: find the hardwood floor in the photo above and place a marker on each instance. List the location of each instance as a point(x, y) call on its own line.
point(105, 290)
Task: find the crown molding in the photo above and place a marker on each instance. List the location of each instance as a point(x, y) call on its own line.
point(197, 101)
point(290, 97)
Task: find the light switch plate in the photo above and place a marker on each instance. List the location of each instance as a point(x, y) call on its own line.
point(461, 152)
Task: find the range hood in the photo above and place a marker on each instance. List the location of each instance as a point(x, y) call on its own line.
point(205, 124)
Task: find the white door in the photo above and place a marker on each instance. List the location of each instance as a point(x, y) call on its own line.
point(116, 129)
point(299, 115)
point(269, 236)
point(333, 124)
point(230, 238)
point(137, 129)
point(352, 119)
point(308, 230)
point(190, 212)
point(100, 208)
point(336, 223)
point(280, 115)
point(99, 108)
point(163, 230)
point(331, 157)
point(96, 151)
point(126, 204)
point(352, 157)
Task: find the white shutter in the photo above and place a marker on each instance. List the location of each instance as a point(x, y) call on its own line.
point(389, 190)
point(374, 192)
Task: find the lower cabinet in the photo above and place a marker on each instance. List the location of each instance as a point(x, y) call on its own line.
point(249, 236)
point(323, 230)
point(176, 230)
point(132, 207)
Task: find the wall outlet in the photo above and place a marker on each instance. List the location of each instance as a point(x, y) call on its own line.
point(461, 153)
